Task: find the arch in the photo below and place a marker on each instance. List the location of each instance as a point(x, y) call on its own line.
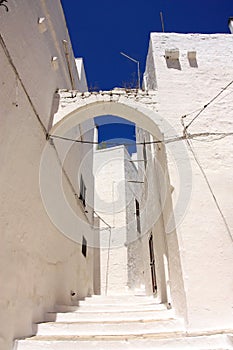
point(70, 116)
point(79, 109)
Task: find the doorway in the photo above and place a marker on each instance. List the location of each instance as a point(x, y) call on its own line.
point(152, 264)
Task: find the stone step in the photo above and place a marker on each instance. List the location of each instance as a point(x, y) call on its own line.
point(110, 328)
point(119, 298)
point(212, 342)
point(114, 307)
point(115, 301)
point(116, 316)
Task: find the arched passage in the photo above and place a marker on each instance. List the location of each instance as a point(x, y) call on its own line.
point(78, 113)
point(83, 108)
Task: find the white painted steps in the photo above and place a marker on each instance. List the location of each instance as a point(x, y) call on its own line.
point(194, 343)
point(116, 322)
point(106, 316)
point(122, 328)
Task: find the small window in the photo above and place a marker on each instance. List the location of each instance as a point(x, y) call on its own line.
point(82, 195)
point(138, 216)
point(84, 247)
point(144, 154)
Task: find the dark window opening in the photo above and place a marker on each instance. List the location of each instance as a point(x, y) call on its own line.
point(84, 247)
point(144, 154)
point(138, 216)
point(83, 189)
point(152, 264)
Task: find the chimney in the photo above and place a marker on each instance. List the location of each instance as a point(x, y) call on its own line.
point(230, 24)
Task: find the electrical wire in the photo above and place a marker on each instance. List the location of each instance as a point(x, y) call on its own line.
point(206, 105)
point(210, 189)
point(174, 139)
point(7, 53)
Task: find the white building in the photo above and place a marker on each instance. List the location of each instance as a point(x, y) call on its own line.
point(192, 77)
point(187, 109)
point(44, 256)
point(128, 202)
point(115, 205)
point(49, 253)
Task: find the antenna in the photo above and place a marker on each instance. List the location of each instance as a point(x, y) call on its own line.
point(162, 22)
point(132, 59)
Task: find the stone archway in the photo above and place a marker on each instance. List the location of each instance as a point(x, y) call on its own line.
point(140, 108)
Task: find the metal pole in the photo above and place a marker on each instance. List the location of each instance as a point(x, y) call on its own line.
point(138, 76)
point(162, 22)
point(138, 67)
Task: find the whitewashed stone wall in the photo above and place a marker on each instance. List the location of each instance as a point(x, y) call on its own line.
point(115, 204)
point(185, 85)
point(110, 206)
point(191, 73)
point(140, 108)
point(39, 266)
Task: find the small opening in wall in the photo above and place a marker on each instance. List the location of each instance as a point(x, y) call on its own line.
point(84, 247)
point(172, 59)
point(144, 154)
point(192, 59)
point(83, 189)
point(138, 216)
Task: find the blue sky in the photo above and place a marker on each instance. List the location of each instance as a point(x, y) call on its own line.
point(100, 30)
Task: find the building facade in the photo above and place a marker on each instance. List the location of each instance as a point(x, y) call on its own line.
point(49, 229)
point(192, 77)
point(40, 265)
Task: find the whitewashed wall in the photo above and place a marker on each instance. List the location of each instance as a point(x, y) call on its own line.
point(139, 107)
point(125, 266)
point(184, 86)
point(110, 204)
point(150, 194)
point(39, 265)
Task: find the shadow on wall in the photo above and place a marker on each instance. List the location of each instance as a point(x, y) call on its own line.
point(172, 59)
point(171, 63)
point(193, 63)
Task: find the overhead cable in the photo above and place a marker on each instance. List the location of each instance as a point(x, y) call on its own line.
point(210, 189)
point(206, 105)
point(173, 139)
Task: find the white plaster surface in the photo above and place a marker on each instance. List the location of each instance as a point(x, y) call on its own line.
point(112, 199)
point(199, 251)
point(185, 87)
point(39, 266)
point(204, 241)
point(121, 326)
point(139, 106)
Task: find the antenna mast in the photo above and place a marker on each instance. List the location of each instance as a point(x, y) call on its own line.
point(162, 22)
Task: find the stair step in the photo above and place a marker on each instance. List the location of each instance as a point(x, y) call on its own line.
point(109, 307)
point(120, 323)
point(214, 342)
point(109, 328)
point(99, 299)
point(109, 316)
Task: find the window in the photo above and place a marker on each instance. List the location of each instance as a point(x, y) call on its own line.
point(82, 195)
point(84, 247)
point(138, 216)
point(144, 154)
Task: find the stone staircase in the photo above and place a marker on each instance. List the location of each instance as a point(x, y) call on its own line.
point(116, 322)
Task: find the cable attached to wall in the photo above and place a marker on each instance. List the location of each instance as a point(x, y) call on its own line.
point(205, 106)
point(210, 189)
point(7, 53)
point(173, 139)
